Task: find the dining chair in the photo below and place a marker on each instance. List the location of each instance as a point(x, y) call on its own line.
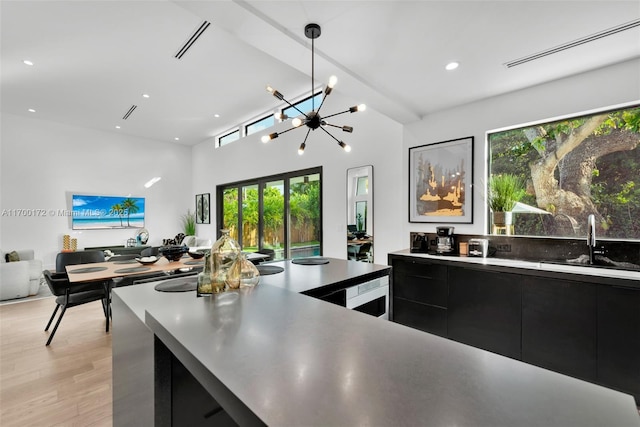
point(81, 257)
point(70, 295)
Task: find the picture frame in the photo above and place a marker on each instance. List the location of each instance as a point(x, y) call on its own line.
point(441, 182)
point(202, 208)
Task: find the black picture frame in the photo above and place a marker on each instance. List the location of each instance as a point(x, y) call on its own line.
point(441, 182)
point(203, 208)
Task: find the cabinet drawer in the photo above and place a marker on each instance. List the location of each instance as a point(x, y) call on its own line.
point(427, 270)
point(421, 289)
point(424, 317)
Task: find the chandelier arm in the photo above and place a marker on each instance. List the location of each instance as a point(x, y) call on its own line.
point(306, 136)
point(322, 103)
point(285, 131)
point(336, 114)
point(328, 133)
point(335, 126)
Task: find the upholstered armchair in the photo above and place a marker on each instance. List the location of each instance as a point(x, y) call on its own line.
point(196, 243)
point(19, 279)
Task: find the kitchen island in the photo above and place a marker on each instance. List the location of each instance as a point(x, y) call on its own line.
point(271, 356)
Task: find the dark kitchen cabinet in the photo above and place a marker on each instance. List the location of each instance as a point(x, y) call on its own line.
point(559, 326)
point(419, 295)
point(485, 309)
point(571, 324)
point(619, 339)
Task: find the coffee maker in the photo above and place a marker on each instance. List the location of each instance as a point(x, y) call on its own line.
point(445, 242)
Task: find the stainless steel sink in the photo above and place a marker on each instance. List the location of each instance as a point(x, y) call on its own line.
point(599, 262)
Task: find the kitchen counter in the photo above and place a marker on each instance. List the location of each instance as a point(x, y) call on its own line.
point(275, 357)
point(310, 279)
point(594, 272)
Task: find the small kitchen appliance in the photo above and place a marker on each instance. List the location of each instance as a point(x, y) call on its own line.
point(445, 244)
point(478, 247)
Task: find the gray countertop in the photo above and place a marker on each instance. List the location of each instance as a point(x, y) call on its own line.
point(304, 278)
point(295, 360)
point(530, 265)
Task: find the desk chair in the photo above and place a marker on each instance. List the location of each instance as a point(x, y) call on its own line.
point(359, 252)
point(70, 295)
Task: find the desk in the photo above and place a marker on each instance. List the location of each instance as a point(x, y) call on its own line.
point(111, 269)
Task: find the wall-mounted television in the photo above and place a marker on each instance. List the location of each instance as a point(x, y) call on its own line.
point(96, 212)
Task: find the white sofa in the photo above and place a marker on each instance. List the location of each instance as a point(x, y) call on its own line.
point(19, 279)
point(195, 243)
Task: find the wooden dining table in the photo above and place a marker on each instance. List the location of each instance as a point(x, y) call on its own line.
point(100, 271)
point(97, 271)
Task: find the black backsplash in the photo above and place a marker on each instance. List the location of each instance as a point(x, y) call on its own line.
point(537, 249)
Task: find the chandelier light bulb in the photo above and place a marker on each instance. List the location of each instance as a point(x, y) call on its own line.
point(265, 138)
point(332, 81)
point(301, 149)
point(362, 107)
point(344, 146)
point(270, 89)
point(296, 122)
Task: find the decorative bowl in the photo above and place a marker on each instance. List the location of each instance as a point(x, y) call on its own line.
point(174, 252)
point(196, 254)
point(147, 260)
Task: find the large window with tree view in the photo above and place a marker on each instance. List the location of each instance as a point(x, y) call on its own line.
point(571, 168)
point(280, 214)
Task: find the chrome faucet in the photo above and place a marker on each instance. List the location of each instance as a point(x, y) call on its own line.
point(591, 239)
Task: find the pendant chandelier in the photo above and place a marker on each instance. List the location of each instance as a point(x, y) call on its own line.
point(312, 119)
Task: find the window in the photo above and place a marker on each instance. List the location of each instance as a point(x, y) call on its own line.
point(571, 168)
point(259, 125)
point(281, 214)
point(305, 106)
point(230, 137)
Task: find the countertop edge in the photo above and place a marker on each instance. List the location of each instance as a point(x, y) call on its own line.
point(583, 273)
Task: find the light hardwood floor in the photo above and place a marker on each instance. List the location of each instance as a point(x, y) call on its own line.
point(65, 384)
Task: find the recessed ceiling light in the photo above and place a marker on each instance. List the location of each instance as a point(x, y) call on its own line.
point(145, 95)
point(31, 110)
point(117, 127)
point(176, 138)
point(451, 66)
point(27, 62)
point(216, 115)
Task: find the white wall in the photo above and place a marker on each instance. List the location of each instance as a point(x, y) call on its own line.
point(376, 140)
point(41, 161)
point(604, 87)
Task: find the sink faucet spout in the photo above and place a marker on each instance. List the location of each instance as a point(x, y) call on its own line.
point(591, 236)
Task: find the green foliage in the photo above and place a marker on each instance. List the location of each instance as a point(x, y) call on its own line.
point(119, 209)
point(129, 205)
point(504, 191)
point(615, 181)
point(304, 212)
point(188, 221)
point(230, 211)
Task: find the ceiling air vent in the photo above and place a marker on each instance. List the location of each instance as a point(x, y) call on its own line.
point(128, 113)
point(196, 34)
point(584, 40)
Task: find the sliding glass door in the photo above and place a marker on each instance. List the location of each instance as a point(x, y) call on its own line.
point(280, 215)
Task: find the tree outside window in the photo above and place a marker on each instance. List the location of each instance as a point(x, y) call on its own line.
point(573, 168)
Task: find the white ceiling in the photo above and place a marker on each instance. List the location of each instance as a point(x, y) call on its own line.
point(94, 59)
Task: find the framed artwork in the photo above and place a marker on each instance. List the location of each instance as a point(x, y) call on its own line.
point(202, 208)
point(441, 182)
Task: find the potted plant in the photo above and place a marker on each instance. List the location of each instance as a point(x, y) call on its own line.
point(505, 190)
point(188, 221)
